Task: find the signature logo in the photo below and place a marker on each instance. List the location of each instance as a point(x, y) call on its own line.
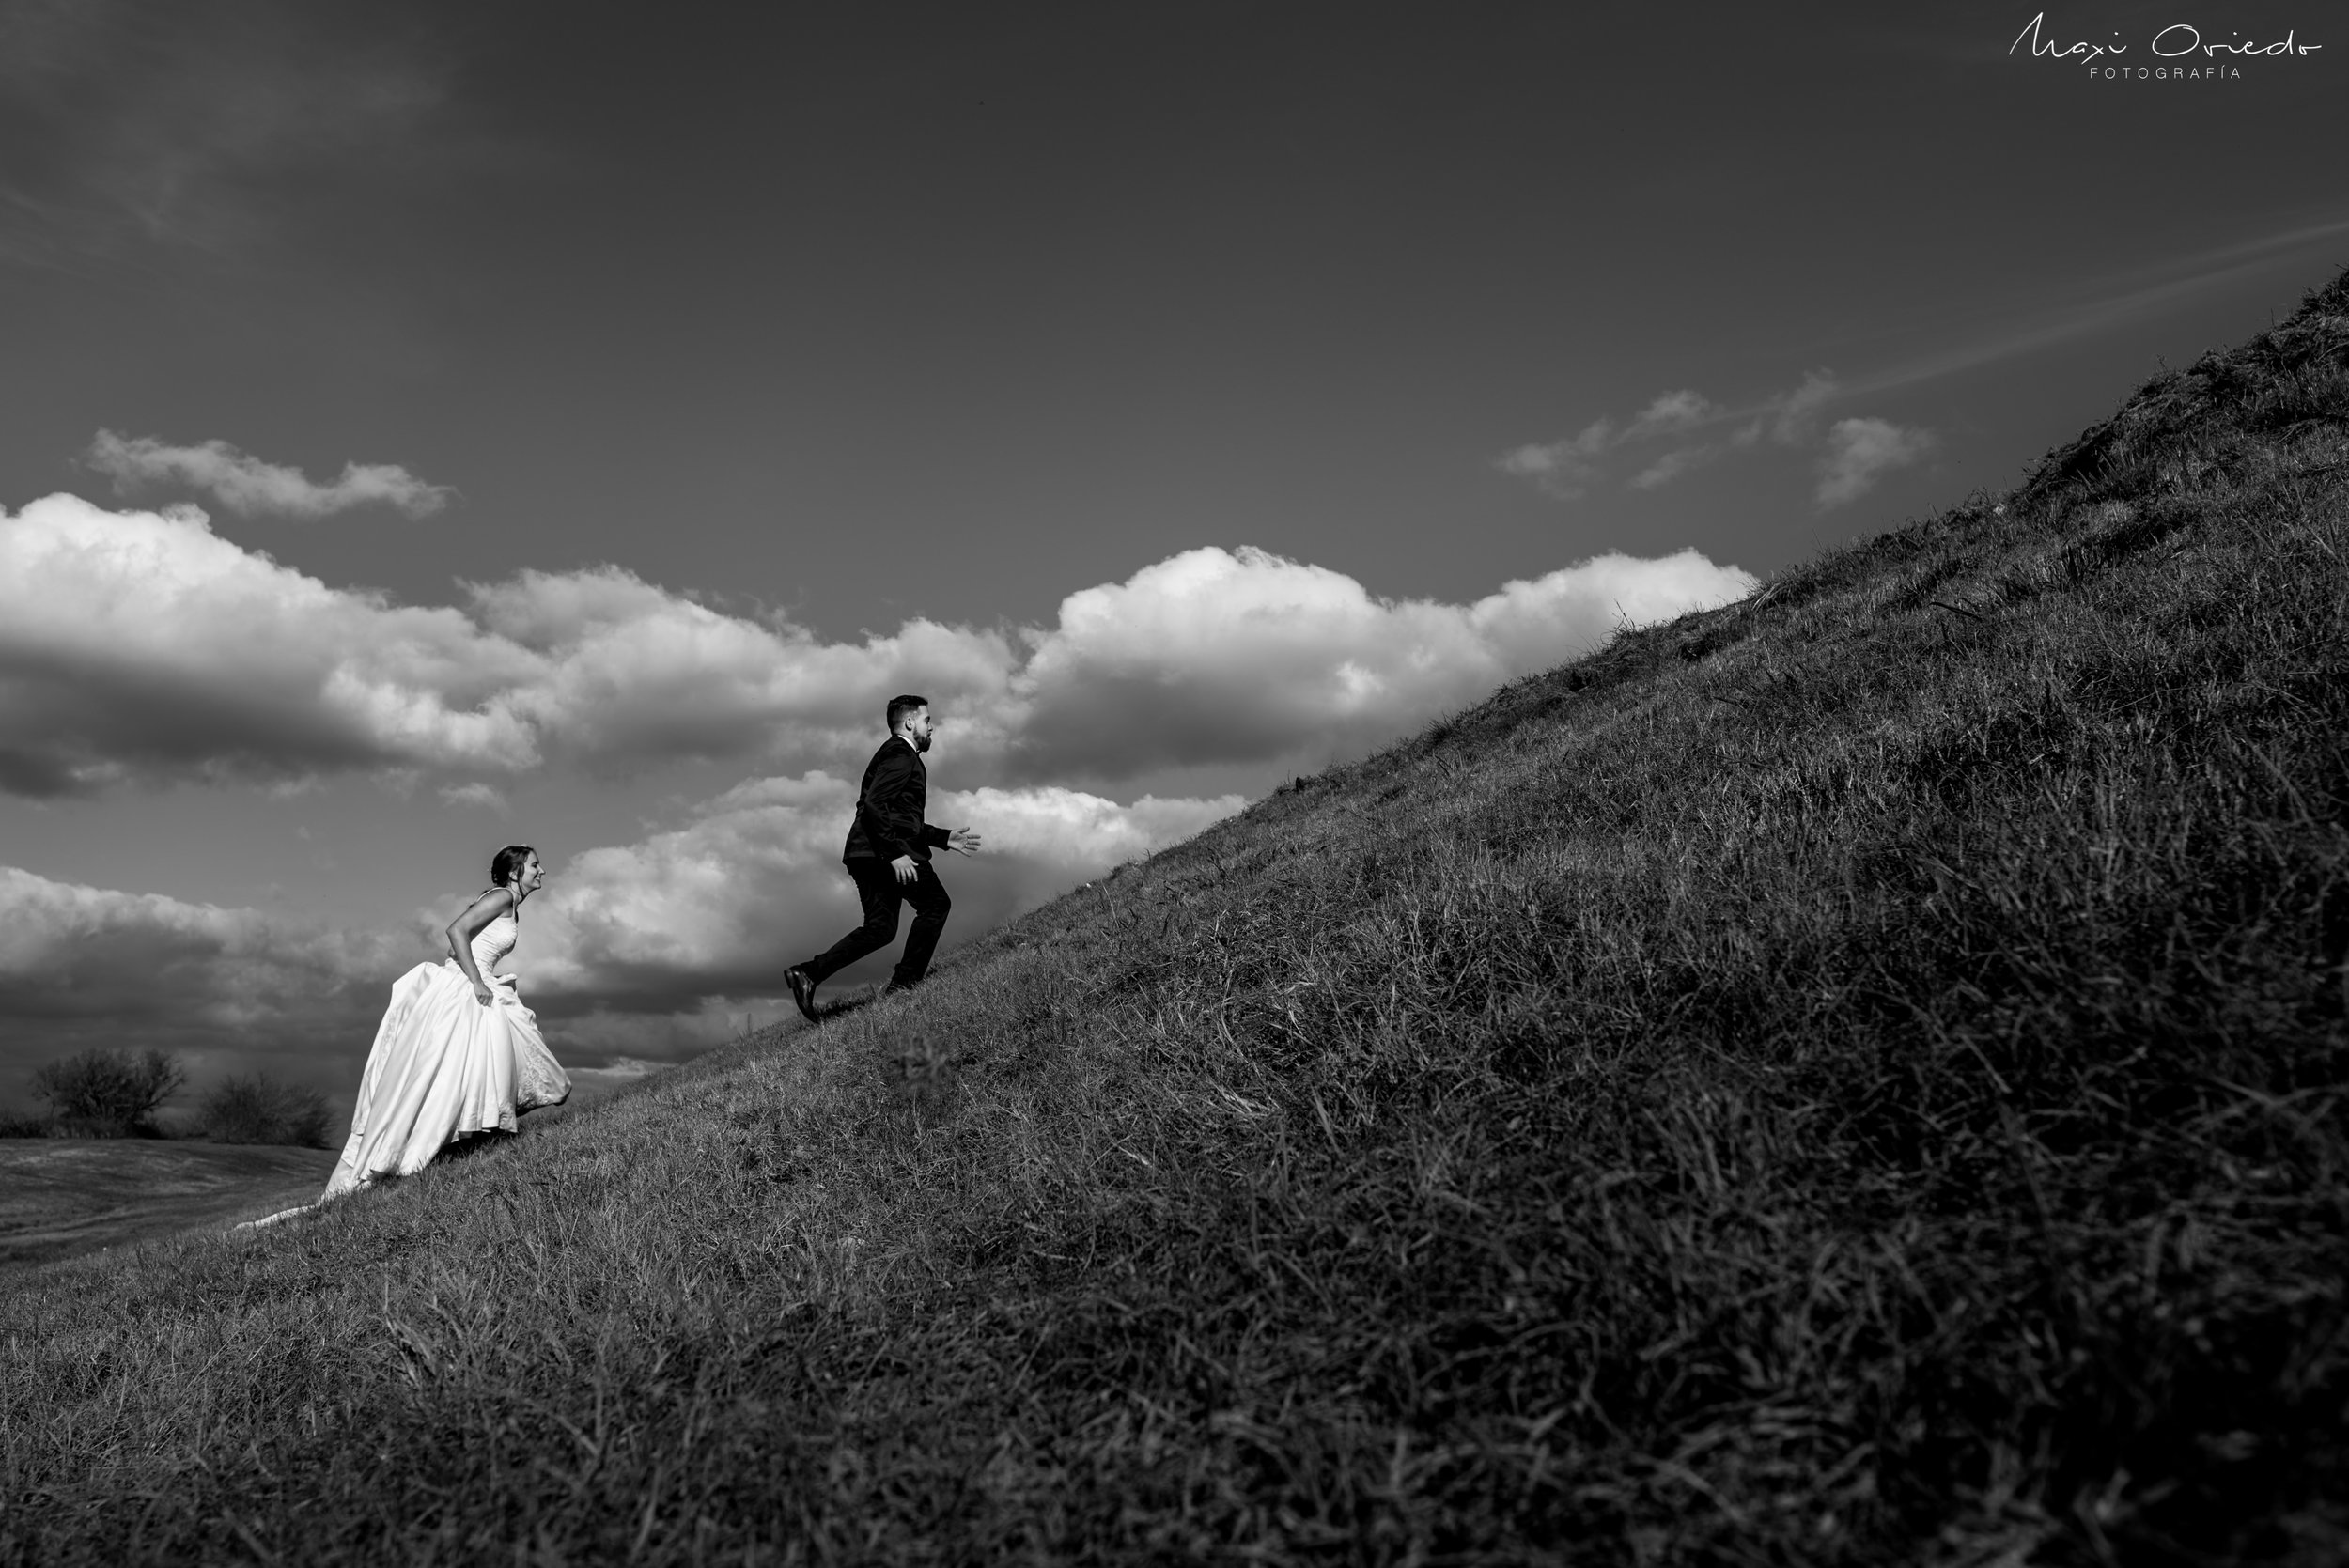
point(2177, 51)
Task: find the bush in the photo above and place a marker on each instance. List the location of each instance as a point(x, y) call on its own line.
point(22, 1123)
point(109, 1093)
point(259, 1109)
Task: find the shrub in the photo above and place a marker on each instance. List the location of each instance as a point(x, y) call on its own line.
point(109, 1093)
point(258, 1108)
point(24, 1124)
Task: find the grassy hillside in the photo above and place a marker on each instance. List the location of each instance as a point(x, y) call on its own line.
point(1856, 1077)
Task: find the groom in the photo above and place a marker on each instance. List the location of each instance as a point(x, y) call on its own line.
point(889, 855)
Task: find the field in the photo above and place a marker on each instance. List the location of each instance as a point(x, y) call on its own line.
point(1856, 1077)
point(61, 1197)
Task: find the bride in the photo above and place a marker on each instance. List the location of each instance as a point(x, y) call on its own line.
point(458, 1054)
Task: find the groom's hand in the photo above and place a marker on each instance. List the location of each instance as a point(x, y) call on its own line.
point(905, 868)
point(963, 841)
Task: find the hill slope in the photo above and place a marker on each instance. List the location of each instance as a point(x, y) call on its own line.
point(1853, 1076)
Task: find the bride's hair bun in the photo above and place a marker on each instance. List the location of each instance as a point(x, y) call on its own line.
point(508, 861)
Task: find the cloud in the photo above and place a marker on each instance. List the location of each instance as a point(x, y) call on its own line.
point(1563, 468)
point(634, 671)
point(67, 950)
point(1572, 467)
point(1788, 418)
point(2105, 303)
point(1671, 413)
point(1216, 655)
point(139, 648)
point(82, 966)
point(251, 488)
point(1854, 455)
point(1672, 465)
point(1041, 841)
point(1537, 625)
point(656, 947)
point(1569, 468)
point(619, 1071)
point(1861, 451)
point(704, 916)
point(474, 794)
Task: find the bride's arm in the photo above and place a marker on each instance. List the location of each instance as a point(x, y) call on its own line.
point(466, 926)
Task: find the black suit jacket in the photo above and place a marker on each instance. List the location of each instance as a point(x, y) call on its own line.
point(889, 807)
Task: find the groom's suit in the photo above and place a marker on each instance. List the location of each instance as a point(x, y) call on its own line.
point(889, 807)
point(888, 823)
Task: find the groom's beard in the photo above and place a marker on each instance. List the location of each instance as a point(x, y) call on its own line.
point(921, 742)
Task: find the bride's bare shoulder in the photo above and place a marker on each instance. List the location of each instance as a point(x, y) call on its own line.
point(486, 907)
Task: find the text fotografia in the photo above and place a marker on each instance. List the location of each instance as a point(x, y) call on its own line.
point(2178, 53)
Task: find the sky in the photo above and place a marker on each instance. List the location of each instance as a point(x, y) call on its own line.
point(429, 427)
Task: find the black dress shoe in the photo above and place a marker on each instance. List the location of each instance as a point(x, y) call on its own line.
point(803, 992)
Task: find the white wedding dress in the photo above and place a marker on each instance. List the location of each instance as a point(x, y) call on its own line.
point(445, 1068)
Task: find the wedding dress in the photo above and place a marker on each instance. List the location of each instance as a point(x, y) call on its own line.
point(444, 1067)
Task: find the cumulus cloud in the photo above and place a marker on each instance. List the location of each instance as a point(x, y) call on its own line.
point(659, 947)
point(139, 647)
point(82, 966)
point(1861, 451)
point(631, 669)
point(698, 922)
point(251, 488)
point(1216, 656)
point(1040, 842)
point(68, 950)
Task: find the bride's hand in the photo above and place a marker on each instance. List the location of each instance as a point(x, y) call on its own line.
point(483, 995)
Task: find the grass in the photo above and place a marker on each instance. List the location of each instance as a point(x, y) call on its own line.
point(62, 1197)
point(1856, 1077)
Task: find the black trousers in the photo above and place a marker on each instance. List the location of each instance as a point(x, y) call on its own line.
point(881, 893)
